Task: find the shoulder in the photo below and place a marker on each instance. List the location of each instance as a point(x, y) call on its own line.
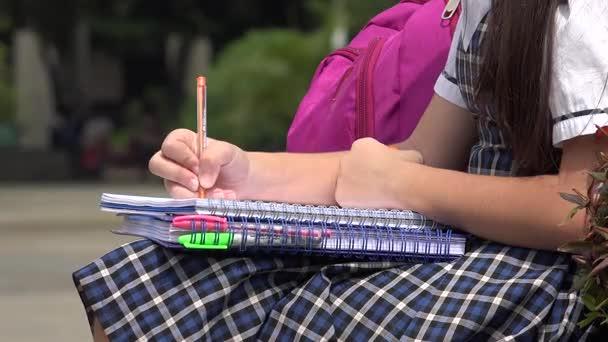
point(580, 68)
point(582, 22)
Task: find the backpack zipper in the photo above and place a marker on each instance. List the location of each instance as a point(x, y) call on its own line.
point(364, 121)
point(347, 52)
point(450, 9)
point(350, 54)
point(340, 82)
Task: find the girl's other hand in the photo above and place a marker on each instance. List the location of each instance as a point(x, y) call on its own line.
point(222, 170)
point(367, 174)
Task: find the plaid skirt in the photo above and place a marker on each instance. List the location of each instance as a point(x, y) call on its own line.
point(142, 291)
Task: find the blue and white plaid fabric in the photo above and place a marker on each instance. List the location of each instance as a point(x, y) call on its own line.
point(142, 291)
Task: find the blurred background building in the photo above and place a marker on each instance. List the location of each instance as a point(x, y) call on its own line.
point(88, 88)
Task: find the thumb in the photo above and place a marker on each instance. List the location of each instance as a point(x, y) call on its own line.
point(412, 156)
point(218, 154)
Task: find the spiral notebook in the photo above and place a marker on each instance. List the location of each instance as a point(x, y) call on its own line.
point(271, 227)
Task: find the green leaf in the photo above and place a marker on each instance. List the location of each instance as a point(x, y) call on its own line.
point(589, 301)
point(598, 176)
point(579, 200)
point(573, 212)
point(589, 318)
point(597, 251)
point(599, 268)
point(582, 259)
point(580, 282)
point(577, 247)
point(604, 191)
point(602, 304)
point(602, 231)
point(602, 130)
point(603, 157)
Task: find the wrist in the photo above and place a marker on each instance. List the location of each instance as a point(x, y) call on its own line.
point(248, 186)
point(406, 183)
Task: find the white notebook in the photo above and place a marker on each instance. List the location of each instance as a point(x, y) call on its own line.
point(253, 226)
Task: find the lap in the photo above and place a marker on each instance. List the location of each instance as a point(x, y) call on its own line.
point(493, 291)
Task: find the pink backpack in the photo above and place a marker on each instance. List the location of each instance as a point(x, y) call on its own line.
point(381, 83)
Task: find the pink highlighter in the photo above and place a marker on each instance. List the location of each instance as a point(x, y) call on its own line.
point(221, 223)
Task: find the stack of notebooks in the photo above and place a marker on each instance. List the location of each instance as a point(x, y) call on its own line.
point(267, 227)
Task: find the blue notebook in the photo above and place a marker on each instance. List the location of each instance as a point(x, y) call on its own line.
point(251, 227)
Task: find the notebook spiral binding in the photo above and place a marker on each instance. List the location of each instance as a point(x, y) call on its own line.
point(374, 229)
point(328, 214)
point(401, 235)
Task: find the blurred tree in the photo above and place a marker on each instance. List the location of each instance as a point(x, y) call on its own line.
point(8, 133)
point(258, 77)
point(7, 96)
point(257, 81)
point(7, 100)
point(352, 14)
point(256, 84)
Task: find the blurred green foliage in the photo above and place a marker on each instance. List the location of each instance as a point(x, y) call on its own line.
point(257, 81)
point(353, 14)
point(153, 101)
point(256, 84)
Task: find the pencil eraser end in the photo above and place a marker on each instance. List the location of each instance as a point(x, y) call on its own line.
point(201, 81)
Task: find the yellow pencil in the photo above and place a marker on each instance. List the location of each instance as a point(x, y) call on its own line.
point(201, 121)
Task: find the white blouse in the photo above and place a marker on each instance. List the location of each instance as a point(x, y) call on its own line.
point(579, 93)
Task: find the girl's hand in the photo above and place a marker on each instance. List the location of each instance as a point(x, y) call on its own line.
point(222, 170)
point(368, 173)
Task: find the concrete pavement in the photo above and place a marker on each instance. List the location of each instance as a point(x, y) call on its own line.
point(47, 232)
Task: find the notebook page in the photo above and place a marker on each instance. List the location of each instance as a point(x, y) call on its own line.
point(266, 210)
point(392, 241)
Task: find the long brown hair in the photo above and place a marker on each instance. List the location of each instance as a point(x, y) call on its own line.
point(515, 77)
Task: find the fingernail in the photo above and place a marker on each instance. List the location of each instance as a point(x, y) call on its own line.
point(205, 181)
point(194, 184)
point(217, 193)
point(230, 195)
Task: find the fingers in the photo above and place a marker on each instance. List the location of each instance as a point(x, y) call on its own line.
point(223, 194)
point(229, 194)
point(411, 156)
point(371, 146)
point(218, 154)
point(178, 163)
point(169, 170)
point(180, 147)
point(177, 190)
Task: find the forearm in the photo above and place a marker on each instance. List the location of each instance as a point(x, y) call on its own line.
point(526, 212)
point(294, 178)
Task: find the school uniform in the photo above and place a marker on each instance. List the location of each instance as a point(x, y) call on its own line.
point(141, 291)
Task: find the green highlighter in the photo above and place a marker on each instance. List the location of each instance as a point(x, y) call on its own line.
point(226, 240)
point(207, 240)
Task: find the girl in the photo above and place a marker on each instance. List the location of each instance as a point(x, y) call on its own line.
point(516, 107)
